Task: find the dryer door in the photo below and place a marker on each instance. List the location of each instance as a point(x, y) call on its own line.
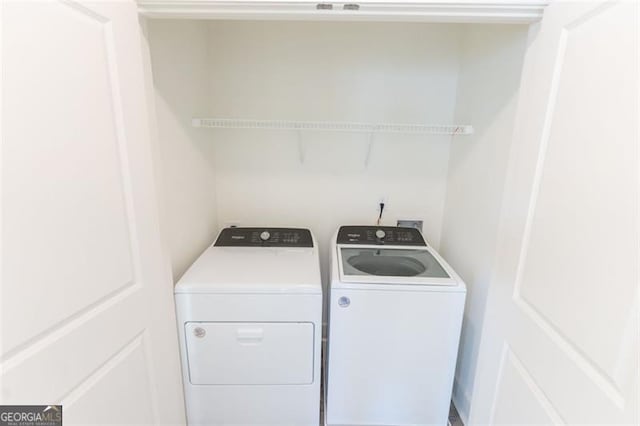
point(250, 353)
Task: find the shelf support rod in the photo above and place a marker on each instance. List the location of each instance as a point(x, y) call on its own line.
point(369, 147)
point(301, 147)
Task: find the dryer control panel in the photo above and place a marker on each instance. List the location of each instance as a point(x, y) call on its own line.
point(264, 237)
point(390, 235)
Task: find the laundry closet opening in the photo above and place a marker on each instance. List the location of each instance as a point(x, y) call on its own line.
point(327, 73)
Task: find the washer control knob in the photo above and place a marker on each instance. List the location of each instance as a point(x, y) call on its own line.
point(265, 235)
point(380, 234)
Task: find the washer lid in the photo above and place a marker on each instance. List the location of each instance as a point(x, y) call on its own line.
point(254, 270)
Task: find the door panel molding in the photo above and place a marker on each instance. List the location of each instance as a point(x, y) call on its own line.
point(74, 401)
point(78, 7)
point(563, 309)
point(26, 370)
point(18, 355)
point(509, 357)
point(89, 316)
point(78, 391)
point(555, 334)
point(574, 353)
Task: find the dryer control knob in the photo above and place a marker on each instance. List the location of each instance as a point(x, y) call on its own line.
point(265, 236)
point(380, 234)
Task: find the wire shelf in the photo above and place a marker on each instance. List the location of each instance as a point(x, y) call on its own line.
point(333, 126)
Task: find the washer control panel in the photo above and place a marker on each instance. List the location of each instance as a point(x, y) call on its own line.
point(390, 235)
point(264, 237)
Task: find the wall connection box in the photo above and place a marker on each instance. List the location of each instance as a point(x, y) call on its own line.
point(405, 223)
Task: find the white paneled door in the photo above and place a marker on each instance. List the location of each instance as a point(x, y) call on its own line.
point(87, 308)
point(560, 344)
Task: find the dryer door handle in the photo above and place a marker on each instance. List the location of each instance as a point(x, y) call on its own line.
point(249, 336)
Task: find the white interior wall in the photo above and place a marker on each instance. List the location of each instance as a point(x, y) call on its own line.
point(344, 72)
point(180, 75)
point(487, 91)
point(382, 72)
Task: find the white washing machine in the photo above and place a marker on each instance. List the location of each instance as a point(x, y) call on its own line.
point(250, 324)
point(395, 314)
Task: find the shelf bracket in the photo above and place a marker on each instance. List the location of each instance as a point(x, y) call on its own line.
point(369, 148)
point(301, 146)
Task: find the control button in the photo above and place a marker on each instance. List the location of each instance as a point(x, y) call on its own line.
point(380, 234)
point(265, 235)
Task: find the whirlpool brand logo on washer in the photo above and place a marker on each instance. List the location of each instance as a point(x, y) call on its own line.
point(30, 415)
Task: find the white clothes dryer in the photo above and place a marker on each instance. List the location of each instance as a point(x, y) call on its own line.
point(250, 325)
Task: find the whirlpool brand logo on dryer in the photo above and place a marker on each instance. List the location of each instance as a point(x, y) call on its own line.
point(30, 415)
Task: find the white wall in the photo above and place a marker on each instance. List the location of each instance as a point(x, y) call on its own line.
point(345, 72)
point(186, 179)
point(331, 71)
point(487, 91)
